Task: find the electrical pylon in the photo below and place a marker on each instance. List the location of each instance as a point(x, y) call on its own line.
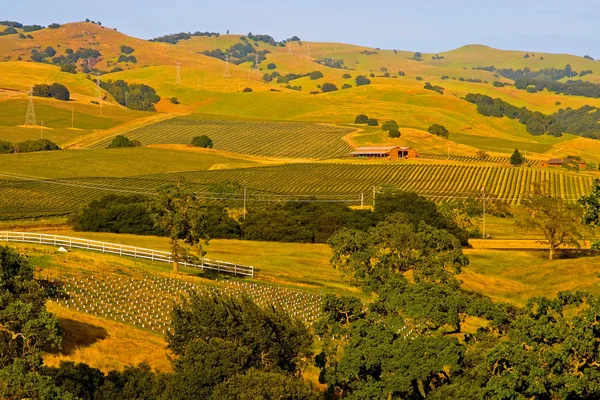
point(226, 74)
point(30, 117)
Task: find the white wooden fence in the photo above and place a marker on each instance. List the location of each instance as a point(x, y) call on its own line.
point(123, 250)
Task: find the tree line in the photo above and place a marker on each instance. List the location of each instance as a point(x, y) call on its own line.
point(582, 122)
point(133, 96)
point(28, 146)
point(176, 37)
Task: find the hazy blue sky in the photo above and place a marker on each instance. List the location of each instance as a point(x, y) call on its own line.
point(421, 25)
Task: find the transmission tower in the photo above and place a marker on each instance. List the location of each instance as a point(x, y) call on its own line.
point(98, 88)
point(30, 117)
point(289, 48)
point(178, 78)
point(226, 74)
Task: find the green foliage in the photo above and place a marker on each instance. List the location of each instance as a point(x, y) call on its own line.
point(361, 80)
point(316, 75)
point(498, 84)
point(30, 146)
point(271, 66)
point(559, 222)
point(328, 87)
point(33, 28)
point(70, 68)
point(256, 384)
point(174, 100)
point(9, 31)
point(127, 59)
point(117, 214)
point(347, 76)
point(417, 56)
point(361, 119)
point(415, 209)
point(372, 122)
point(6, 147)
point(127, 49)
point(13, 24)
point(202, 141)
point(54, 26)
point(394, 133)
point(517, 159)
point(56, 90)
point(419, 78)
point(429, 86)
point(268, 338)
point(346, 86)
point(388, 125)
point(591, 205)
point(438, 130)
point(25, 324)
point(121, 141)
point(135, 96)
point(247, 90)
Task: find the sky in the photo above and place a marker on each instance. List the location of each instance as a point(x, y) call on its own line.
point(554, 26)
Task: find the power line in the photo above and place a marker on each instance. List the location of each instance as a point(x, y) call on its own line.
point(30, 116)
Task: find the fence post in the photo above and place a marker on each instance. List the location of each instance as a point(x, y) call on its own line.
point(103, 247)
point(70, 242)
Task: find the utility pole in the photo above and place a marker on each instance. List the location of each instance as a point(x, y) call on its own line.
point(244, 201)
point(448, 150)
point(374, 194)
point(226, 74)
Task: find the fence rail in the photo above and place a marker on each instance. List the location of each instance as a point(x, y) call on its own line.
point(123, 250)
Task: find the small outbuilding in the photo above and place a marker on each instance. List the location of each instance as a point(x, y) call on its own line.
point(559, 162)
point(390, 152)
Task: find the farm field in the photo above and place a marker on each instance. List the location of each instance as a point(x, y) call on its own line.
point(272, 139)
point(34, 198)
point(115, 162)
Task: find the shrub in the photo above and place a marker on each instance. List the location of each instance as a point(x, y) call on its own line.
point(116, 69)
point(429, 86)
point(394, 133)
point(54, 26)
point(21, 36)
point(202, 141)
point(30, 146)
point(346, 86)
point(174, 100)
point(70, 68)
point(361, 119)
point(59, 92)
point(247, 90)
point(361, 80)
point(6, 147)
point(121, 141)
point(388, 125)
point(49, 51)
point(271, 66)
point(438, 130)
point(316, 75)
point(127, 49)
point(372, 122)
point(328, 87)
point(32, 28)
point(498, 84)
point(419, 78)
point(417, 56)
point(346, 76)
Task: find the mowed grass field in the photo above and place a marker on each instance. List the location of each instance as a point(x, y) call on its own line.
point(272, 139)
point(27, 197)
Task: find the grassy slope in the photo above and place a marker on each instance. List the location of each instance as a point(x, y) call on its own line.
point(114, 162)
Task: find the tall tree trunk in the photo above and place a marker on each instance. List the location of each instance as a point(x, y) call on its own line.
point(552, 255)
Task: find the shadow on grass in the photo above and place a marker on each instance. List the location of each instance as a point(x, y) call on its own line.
point(77, 334)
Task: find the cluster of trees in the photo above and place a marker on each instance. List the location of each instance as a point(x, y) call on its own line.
point(583, 121)
point(68, 61)
point(126, 55)
point(135, 96)
point(202, 141)
point(392, 128)
point(269, 40)
point(28, 146)
point(176, 37)
point(222, 348)
point(290, 221)
point(9, 31)
point(121, 141)
point(435, 88)
point(239, 53)
point(526, 73)
point(56, 90)
point(569, 88)
point(439, 130)
point(364, 119)
point(333, 63)
point(361, 80)
point(328, 87)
